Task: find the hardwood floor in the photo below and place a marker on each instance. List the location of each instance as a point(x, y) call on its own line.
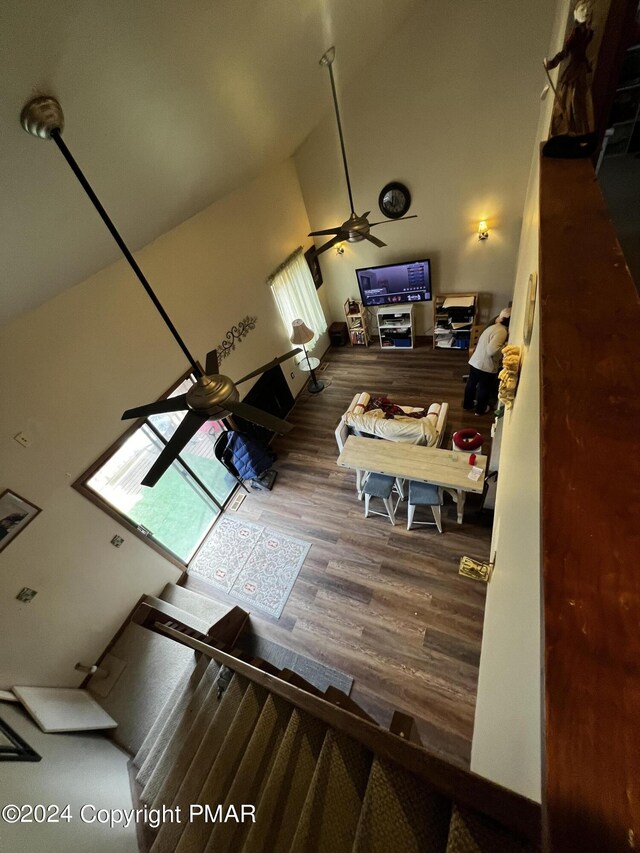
point(381, 603)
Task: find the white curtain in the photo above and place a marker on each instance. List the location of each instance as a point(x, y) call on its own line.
point(296, 297)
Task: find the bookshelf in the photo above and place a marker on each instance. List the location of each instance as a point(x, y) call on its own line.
point(454, 316)
point(356, 317)
point(395, 327)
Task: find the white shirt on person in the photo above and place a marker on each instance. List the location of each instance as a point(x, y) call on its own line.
point(487, 353)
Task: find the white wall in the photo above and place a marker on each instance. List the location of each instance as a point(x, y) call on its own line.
point(71, 367)
point(449, 107)
point(507, 733)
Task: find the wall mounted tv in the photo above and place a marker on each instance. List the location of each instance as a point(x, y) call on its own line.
point(393, 283)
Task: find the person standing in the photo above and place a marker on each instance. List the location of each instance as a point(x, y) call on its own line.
point(482, 385)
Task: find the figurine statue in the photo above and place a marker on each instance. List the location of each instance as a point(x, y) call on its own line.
point(572, 124)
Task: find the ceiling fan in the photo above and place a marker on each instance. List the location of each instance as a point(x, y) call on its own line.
point(355, 228)
point(213, 396)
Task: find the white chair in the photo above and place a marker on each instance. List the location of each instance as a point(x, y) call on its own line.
point(424, 494)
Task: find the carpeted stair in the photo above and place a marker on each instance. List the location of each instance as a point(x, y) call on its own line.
point(244, 731)
point(224, 739)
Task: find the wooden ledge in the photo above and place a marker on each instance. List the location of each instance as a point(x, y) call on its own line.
point(590, 371)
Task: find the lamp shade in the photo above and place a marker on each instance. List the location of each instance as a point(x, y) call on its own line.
point(301, 334)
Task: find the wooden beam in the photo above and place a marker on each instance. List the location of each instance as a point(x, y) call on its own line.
point(590, 371)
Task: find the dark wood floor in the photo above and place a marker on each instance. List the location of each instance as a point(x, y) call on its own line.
point(381, 603)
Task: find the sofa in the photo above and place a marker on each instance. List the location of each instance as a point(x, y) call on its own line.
point(427, 430)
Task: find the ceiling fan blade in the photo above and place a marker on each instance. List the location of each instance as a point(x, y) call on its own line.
point(399, 219)
point(269, 365)
point(337, 239)
point(171, 404)
point(211, 364)
point(189, 426)
point(326, 231)
point(257, 416)
point(375, 240)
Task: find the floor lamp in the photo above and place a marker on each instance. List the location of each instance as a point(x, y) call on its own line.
point(302, 335)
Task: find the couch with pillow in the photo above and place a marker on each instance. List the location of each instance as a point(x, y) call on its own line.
point(357, 420)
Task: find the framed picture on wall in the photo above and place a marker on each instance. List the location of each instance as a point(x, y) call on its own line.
point(15, 514)
point(314, 266)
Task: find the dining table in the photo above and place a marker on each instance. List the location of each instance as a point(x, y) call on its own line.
point(452, 470)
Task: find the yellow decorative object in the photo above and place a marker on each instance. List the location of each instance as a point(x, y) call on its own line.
point(511, 360)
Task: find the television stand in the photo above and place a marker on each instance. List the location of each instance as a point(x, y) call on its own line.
point(395, 327)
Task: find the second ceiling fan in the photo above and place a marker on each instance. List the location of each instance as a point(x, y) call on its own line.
point(356, 227)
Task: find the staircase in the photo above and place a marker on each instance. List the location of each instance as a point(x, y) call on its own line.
point(243, 757)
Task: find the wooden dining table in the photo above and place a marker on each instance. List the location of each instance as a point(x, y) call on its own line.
point(449, 469)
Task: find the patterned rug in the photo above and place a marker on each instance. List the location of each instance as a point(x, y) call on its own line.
point(252, 563)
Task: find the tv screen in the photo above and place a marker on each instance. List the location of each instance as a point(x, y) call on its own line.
point(393, 283)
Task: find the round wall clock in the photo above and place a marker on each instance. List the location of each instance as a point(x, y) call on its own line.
point(394, 200)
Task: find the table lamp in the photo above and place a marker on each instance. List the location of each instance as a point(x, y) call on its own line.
point(301, 335)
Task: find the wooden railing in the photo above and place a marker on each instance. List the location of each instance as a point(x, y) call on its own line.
point(590, 368)
point(518, 814)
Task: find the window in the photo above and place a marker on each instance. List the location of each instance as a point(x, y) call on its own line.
point(177, 513)
point(296, 297)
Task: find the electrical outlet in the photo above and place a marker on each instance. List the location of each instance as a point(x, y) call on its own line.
point(26, 594)
point(22, 439)
point(117, 541)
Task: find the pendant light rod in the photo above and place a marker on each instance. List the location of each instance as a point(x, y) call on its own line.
point(55, 134)
point(327, 60)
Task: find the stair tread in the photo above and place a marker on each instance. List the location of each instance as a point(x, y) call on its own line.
point(400, 813)
point(252, 774)
point(174, 734)
point(191, 743)
point(178, 613)
point(200, 606)
point(329, 818)
point(223, 769)
point(189, 787)
point(471, 832)
point(281, 804)
point(177, 699)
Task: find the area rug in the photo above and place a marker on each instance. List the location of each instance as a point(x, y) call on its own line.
point(251, 563)
point(318, 674)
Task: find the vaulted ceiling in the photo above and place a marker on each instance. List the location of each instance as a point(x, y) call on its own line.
point(169, 105)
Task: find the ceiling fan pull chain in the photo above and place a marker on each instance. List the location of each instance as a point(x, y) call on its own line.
point(57, 138)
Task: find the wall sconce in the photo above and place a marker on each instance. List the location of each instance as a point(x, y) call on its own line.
point(340, 249)
point(483, 230)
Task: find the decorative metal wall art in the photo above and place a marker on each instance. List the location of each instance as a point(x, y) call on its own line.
point(235, 333)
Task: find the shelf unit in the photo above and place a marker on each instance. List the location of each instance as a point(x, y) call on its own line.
point(395, 327)
point(454, 316)
point(356, 317)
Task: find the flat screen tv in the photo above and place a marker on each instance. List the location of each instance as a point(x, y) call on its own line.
point(393, 283)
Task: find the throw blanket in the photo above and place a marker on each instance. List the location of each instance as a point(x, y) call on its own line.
point(391, 410)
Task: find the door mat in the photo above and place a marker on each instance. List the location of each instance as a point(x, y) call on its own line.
point(318, 674)
point(252, 563)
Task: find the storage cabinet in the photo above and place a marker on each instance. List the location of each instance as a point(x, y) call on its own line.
point(454, 317)
point(395, 327)
point(356, 317)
